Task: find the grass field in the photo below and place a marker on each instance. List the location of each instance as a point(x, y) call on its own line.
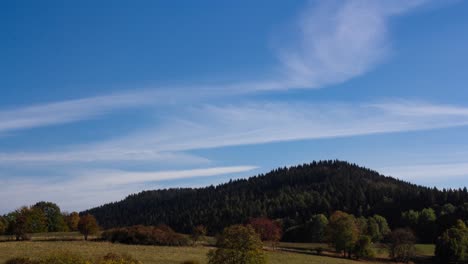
point(45, 244)
point(146, 254)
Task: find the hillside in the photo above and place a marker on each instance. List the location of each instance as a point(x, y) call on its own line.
point(291, 194)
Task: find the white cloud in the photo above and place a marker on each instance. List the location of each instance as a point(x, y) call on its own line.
point(214, 126)
point(68, 111)
point(339, 40)
point(93, 188)
point(256, 123)
point(452, 175)
point(427, 171)
point(116, 177)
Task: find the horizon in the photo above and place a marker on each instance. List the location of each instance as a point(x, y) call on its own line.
point(101, 101)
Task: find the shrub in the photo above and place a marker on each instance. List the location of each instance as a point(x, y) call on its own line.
point(145, 235)
point(20, 261)
point(402, 245)
point(191, 262)
point(67, 258)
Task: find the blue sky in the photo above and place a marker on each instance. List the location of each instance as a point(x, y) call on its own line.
point(103, 99)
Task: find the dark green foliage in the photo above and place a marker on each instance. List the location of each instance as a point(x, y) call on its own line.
point(42, 217)
point(312, 231)
point(54, 218)
point(3, 225)
point(145, 235)
point(452, 245)
point(293, 195)
point(363, 248)
point(401, 246)
point(24, 221)
point(238, 244)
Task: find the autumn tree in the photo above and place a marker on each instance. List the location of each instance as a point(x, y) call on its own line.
point(238, 244)
point(72, 221)
point(88, 225)
point(343, 232)
point(267, 229)
point(402, 244)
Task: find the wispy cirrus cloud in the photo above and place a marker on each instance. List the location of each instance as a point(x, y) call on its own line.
point(214, 126)
point(431, 174)
point(85, 189)
point(68, 111)
point(338, 40)
point(335, 41)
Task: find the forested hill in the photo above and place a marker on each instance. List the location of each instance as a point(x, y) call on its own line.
point(291, 194)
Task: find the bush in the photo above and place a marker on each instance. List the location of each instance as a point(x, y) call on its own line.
point(67, 258)
point(20, 261)
point(145, 235)
point(402, 245)
point(191, 262)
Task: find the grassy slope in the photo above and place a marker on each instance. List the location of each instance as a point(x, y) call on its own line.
point(146, 254)
point(43, 244)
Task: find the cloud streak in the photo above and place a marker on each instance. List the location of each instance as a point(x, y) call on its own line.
point(336, 41)
point(92, 188)
point(215, 126)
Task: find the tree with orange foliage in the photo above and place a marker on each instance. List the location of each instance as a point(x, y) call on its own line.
point(267, 229)
point(88, 225)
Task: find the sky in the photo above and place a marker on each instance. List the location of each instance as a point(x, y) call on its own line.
point(101, 99)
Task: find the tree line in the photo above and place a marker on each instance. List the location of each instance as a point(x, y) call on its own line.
point(45, 217)
point(294, 196)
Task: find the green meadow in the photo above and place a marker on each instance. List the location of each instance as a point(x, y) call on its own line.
point(294, 253)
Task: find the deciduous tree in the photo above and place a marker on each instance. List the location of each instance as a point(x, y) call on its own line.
point(343, 232)
point(402, 244)
point(238, 244)
point(267, 229)
point(72, 221)
point(88, 225)
point(452, 245)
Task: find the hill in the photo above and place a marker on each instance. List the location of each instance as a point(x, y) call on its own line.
point(291, 195)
